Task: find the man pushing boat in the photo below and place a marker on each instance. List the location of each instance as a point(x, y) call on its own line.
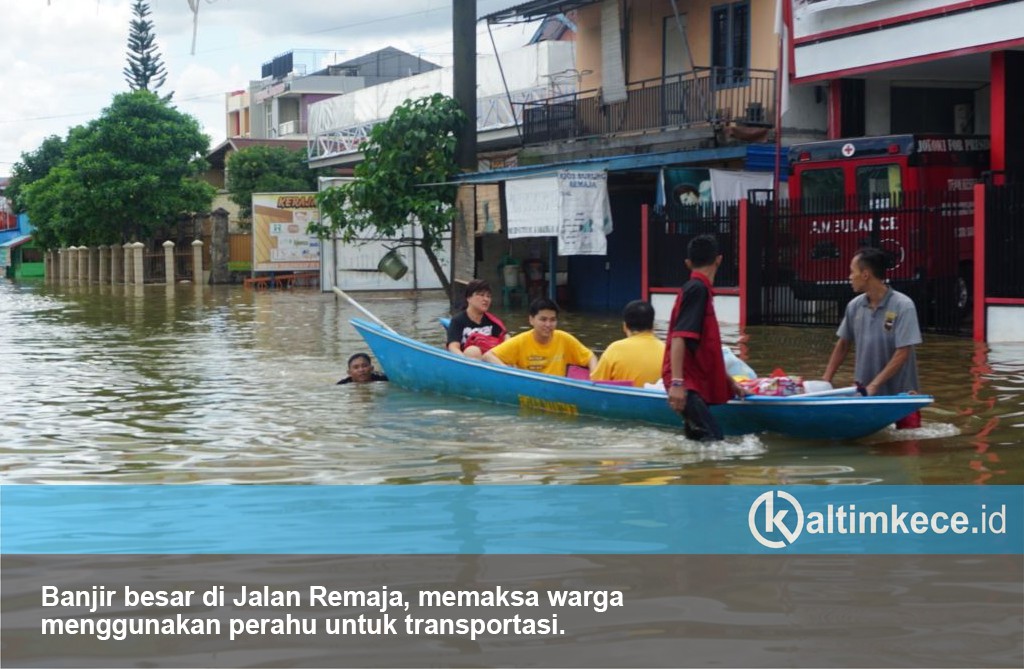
point(693, 369)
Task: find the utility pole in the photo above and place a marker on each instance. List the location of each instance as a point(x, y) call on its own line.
point(464, 78)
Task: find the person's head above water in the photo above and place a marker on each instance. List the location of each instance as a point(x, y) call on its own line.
point(360, 368)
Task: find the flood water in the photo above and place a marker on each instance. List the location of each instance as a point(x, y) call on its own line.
point(183, 384)
point(222, 385)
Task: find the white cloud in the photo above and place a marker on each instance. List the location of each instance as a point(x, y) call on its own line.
point(64, 61)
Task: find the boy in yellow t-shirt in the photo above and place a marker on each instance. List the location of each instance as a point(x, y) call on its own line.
point(544, 348)
point(638, 357)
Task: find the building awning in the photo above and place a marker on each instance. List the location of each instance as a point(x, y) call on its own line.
point(17, 241)
point(532, 11)
point(623, 163)
point(761, 158)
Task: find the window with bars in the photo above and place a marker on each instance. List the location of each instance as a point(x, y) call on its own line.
point(730, 43)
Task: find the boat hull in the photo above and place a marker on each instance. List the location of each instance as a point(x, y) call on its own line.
point(417, 366)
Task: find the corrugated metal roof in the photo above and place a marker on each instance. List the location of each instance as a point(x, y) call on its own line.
point(611, 164)
point(531, 11)
point(761, 158)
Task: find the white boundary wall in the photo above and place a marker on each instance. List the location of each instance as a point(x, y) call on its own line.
point(727, 307)
point(1005, 324)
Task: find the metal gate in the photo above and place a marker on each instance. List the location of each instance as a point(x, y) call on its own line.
point(670, 230)
point(1004, 236)
point(799, 254)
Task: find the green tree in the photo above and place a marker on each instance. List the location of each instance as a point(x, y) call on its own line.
point(124, 174)
point(32, 167)
point(408, 161)
point(145, 70)
point(267, 169)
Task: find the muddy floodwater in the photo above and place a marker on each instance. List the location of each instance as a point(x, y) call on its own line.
point(184, 384)
point(224, 385)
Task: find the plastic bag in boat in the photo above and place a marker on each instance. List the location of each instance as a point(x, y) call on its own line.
point(735, 367)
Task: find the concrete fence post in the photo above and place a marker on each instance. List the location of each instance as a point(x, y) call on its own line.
point(103, 275)
point(140, 269)
point(73, 277)
point(197, 262)
point(83, 265)
point(127, 262)
point(93, 254)
point(116, 264)
point(65, 258)
point(219, 248)
point(169, 277)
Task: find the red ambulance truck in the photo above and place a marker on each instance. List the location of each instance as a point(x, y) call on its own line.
point(911, 195)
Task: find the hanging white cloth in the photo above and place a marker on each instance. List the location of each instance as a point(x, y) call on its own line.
point(729, 186)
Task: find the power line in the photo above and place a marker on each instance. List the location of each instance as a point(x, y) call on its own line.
point(46, 118)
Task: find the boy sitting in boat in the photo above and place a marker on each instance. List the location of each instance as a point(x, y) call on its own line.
point(543, 348)
point(638, 357)
point(360, 370)
point(475, 331)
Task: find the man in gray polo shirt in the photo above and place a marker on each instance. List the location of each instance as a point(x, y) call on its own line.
point(882, 324)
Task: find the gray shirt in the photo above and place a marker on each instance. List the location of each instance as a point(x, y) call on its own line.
point(877, 333)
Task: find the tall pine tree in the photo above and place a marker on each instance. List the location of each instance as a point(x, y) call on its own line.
point(145, 71)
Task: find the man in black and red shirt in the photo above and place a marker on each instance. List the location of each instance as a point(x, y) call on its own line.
point(693, 369)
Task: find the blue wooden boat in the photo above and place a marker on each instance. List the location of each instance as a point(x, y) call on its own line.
point(419, 367)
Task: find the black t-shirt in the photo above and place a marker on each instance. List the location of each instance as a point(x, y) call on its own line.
point(462, 326)
point(374, 376)
point(693, 319)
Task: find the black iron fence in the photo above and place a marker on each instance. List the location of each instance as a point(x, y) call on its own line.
point(153, 269)
point(684, 100)
point(1004, 237)
point(183, 265)
point(155, 266)
point(671, 229)
point(800, 253)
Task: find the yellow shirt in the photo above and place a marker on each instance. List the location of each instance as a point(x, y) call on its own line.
point(524, 352)
point(637, 359)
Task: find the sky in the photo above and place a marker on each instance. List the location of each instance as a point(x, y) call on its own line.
point(63, 60)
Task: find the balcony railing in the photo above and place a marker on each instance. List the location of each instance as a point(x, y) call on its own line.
point(703, 97)
point(294, 127)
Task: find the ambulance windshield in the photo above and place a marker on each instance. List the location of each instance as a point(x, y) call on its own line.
point(822, 189)
point(879, 186)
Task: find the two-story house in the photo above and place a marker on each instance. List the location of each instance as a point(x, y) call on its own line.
point(673, 83)
point(663, 86)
